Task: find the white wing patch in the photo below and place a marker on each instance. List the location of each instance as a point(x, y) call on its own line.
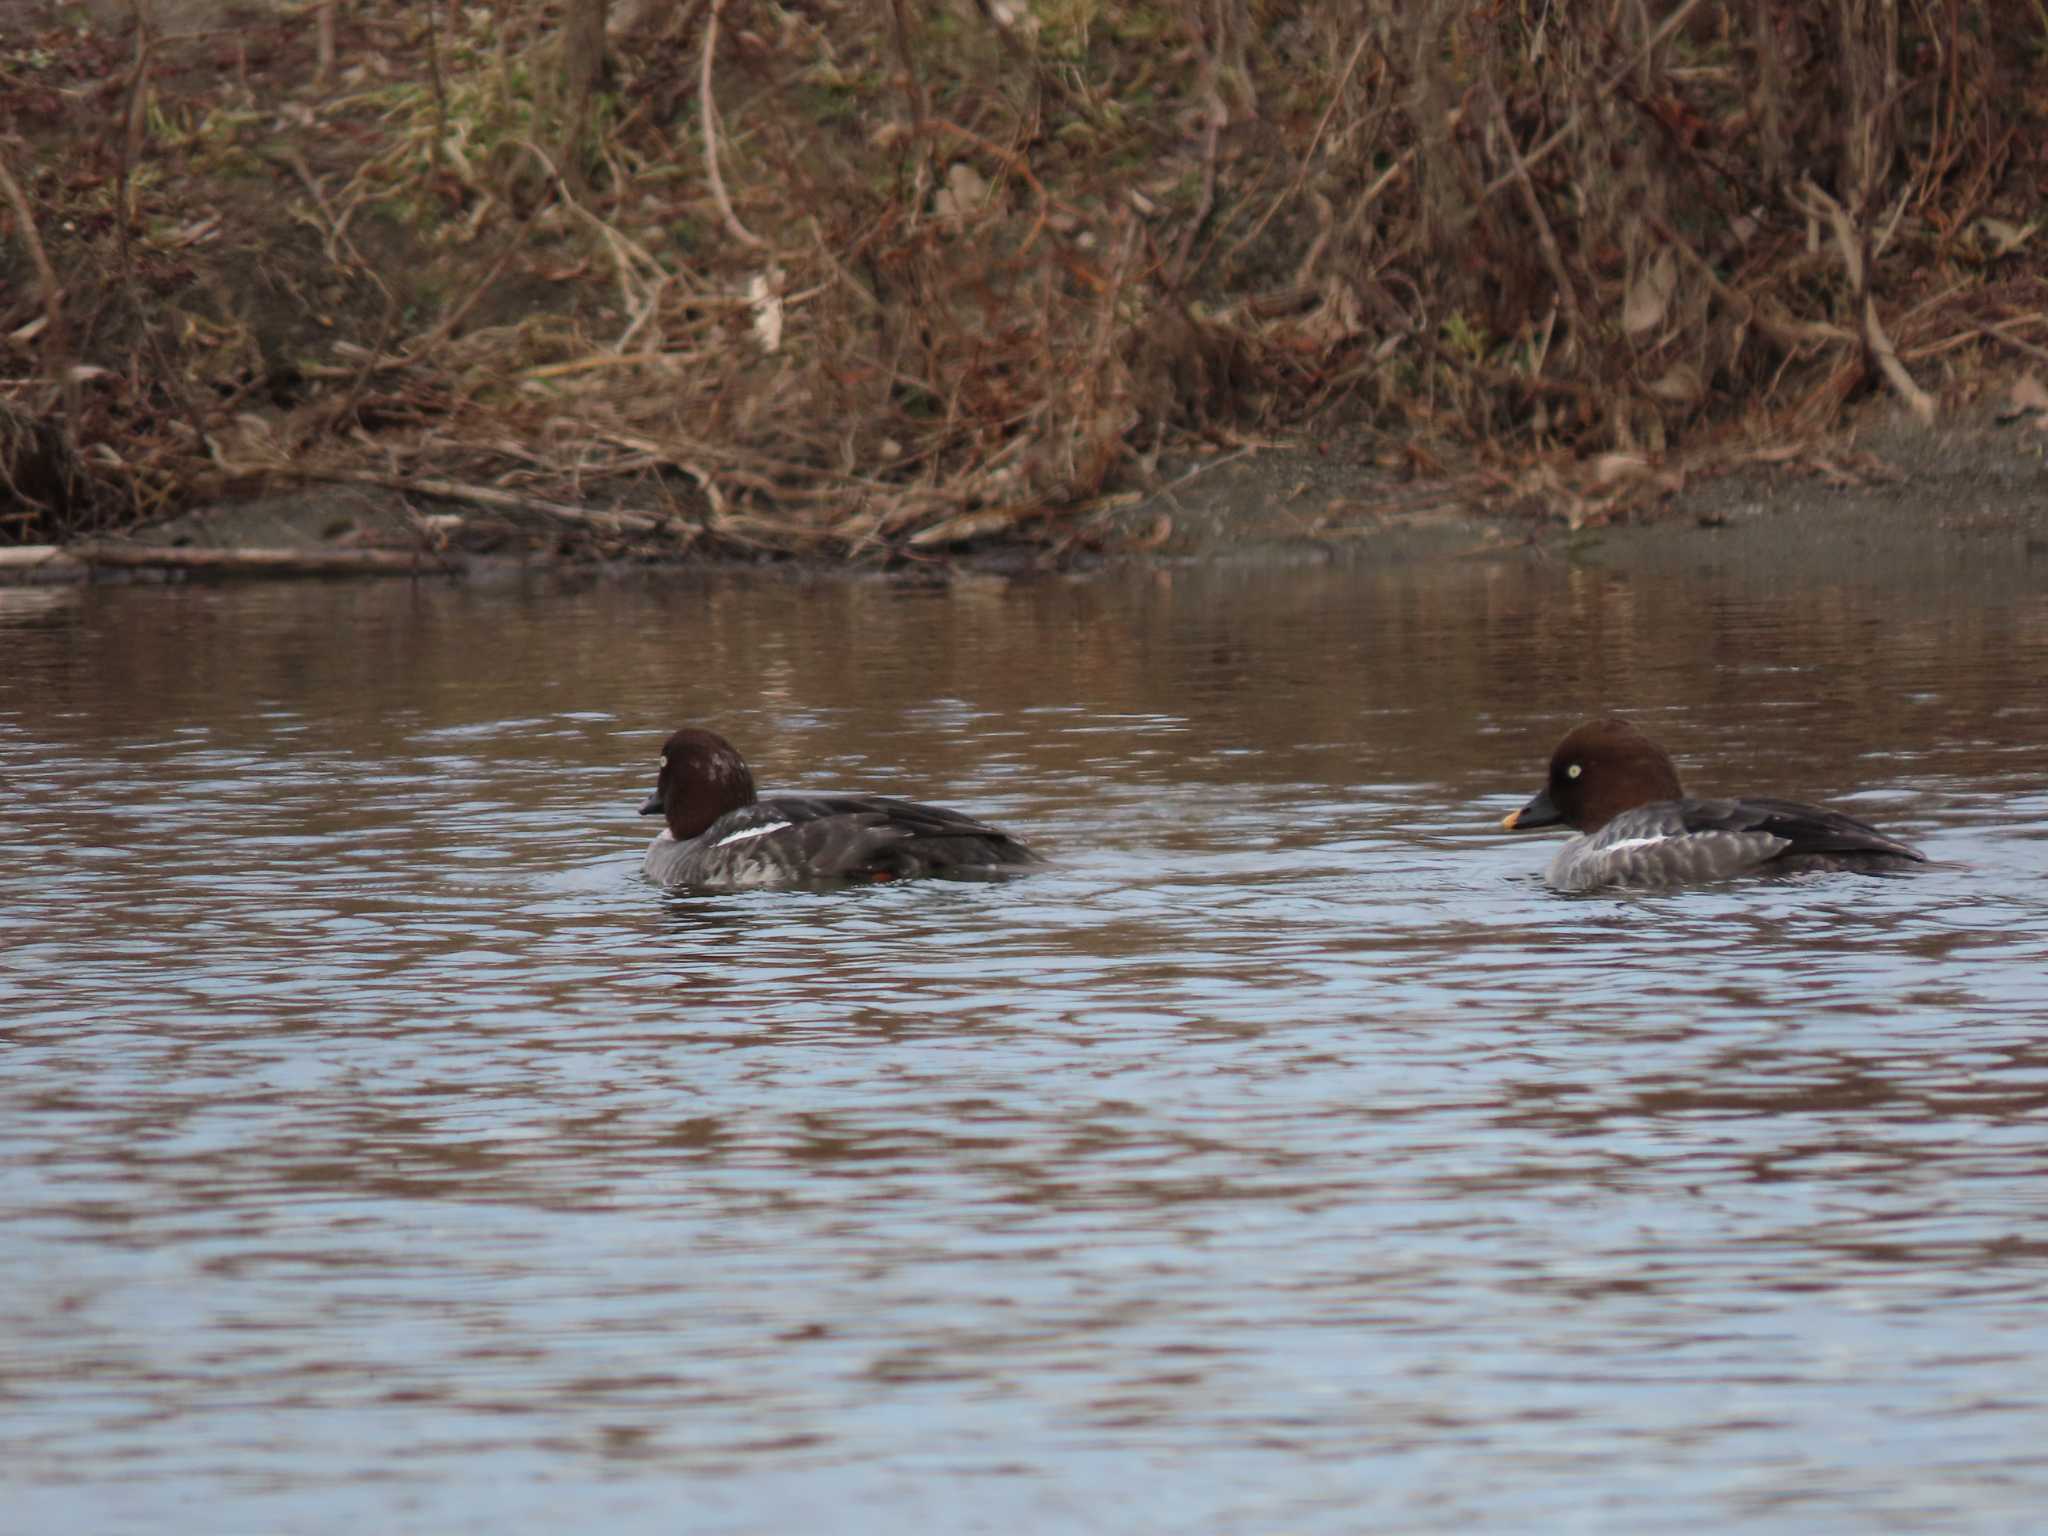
point(740, 837)
point(1628, 843)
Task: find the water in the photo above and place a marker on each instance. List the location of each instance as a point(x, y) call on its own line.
point(377, 1152)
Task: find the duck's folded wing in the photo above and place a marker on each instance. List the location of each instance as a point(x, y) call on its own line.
point(809, 839)
point(1807, 830)
point(900, 838)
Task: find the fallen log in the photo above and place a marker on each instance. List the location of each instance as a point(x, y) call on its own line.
point(261, 562)
point(26, 557)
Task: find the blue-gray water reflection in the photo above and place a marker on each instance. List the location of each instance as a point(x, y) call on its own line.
point(376, 1151)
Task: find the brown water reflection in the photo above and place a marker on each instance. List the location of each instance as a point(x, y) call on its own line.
point(379, 1152)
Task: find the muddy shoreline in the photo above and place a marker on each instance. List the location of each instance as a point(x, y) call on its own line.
point(1907, 504)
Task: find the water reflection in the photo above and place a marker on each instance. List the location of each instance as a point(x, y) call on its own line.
point(378, 1150)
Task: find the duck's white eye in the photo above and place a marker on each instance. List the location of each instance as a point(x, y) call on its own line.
point(1574, 771)
point(664, 761)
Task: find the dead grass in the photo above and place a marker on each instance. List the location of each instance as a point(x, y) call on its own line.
point(786, 281)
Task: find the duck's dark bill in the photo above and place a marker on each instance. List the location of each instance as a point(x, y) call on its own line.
point(1537, 813)
point(653, 805)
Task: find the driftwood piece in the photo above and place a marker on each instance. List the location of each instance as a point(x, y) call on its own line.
point(261, 562)
point(26, 557)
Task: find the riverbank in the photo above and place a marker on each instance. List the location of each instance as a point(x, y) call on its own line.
point(406, 288)
point(1891, 504)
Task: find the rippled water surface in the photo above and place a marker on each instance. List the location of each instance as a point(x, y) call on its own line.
point(377, 1152)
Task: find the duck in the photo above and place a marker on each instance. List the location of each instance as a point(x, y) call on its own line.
point(1639, 829)
point(722, 836)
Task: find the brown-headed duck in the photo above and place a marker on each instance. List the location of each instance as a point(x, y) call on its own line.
point(1638, 828)
point(723, 836)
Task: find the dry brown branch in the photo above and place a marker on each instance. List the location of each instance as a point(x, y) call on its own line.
point(333, 226)
point(641, 277)
point(323, 48)
point(1946, 344)
point(1565, 130)
point(429, 343)
point(1780, 328)
point(1214, 118)
point(2025, 348)
point(483, 496)
point(1877, 345)
point(708, 113)
point(53, 292)
point(1211, 42)
point(344, 410)
point(913, 83)
point(663, 453)
point(583, 40)
point(439, 135)
point(1308, 154)
point(606, 362)
point(1546, 240)
point(134, 124)
point(968, 526)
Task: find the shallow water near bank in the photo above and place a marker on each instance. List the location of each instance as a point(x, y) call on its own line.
point(378, 1152)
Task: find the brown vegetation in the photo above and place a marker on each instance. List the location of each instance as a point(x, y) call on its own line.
point(874, 278)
